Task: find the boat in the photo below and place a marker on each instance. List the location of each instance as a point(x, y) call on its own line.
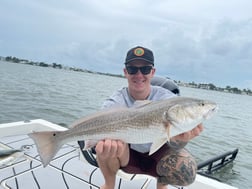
point(70, 169)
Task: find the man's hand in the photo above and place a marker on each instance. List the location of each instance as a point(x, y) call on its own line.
point(111, 155)
point(107, 149)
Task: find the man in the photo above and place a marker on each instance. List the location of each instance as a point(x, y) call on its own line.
point(171, 164)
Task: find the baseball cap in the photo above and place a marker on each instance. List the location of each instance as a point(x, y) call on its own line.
point(139, 53)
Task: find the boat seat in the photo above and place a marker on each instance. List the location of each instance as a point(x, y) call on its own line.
point(166, 83)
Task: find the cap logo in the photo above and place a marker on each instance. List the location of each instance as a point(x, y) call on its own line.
point(138, 51)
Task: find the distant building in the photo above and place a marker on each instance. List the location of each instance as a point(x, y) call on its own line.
point(204, 86)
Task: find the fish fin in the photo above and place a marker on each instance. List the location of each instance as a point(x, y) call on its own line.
point(89, 144)
point(141, 103)
point(168, 126)
point(48, 144)
point(157, 144)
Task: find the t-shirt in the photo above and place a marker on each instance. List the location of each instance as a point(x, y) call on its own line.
point(122, 98)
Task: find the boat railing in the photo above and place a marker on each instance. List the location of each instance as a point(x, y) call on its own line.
point(217, 162)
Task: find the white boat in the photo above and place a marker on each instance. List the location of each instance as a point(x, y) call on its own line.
point(68, 169)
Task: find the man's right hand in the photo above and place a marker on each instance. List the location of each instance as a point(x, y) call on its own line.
point(108, 149)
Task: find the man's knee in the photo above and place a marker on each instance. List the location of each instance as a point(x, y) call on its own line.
point(177, 168)
point(177, 179)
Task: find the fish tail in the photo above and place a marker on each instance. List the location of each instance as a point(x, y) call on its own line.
point(47, 143)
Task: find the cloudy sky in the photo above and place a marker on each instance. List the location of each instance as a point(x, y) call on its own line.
point(206, 41)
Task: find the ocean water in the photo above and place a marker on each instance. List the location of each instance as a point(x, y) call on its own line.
point(62, 96)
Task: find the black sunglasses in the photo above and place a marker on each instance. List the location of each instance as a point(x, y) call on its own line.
point(144, 69)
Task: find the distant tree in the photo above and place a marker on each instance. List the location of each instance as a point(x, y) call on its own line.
point(212, 86)
point(236, 90)
point(8, 58)
point(228, 87)
point(43, 64)
point(16, 60)
point(55, 65)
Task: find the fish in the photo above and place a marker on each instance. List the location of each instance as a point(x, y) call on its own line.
point(146, 122)
point(8, 157)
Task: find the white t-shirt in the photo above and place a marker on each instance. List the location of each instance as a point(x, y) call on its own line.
point(122, 98)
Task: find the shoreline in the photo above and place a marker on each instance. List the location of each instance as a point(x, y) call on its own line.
point(209, 86)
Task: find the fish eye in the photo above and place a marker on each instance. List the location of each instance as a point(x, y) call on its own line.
point(54, 134)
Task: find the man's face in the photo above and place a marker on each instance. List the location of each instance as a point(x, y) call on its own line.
point(139, 81)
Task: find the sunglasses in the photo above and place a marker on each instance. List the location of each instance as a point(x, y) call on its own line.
point(144, 69)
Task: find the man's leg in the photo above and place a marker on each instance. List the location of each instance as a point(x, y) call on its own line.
point(161, 186)
point(177, 167)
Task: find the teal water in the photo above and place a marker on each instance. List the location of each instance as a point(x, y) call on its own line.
point(61, 96)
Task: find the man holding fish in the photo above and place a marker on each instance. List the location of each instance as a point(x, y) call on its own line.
point(170, 164)
point(142, 129)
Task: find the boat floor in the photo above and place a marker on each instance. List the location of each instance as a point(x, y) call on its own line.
point(68, 169)
point(65, 171)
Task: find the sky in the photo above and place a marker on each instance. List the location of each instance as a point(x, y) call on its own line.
point(206, 41)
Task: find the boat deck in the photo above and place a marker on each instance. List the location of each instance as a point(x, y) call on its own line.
point(68, 169)
point(65, 171)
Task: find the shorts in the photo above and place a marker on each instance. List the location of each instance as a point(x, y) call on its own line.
point(143, 163)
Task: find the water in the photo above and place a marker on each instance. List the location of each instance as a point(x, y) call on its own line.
point(61, 96)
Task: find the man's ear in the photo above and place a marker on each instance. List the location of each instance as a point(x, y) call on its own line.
point(125, 72)
point(153, 71)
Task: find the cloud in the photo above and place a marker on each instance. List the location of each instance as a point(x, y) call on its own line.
point(203, 41)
